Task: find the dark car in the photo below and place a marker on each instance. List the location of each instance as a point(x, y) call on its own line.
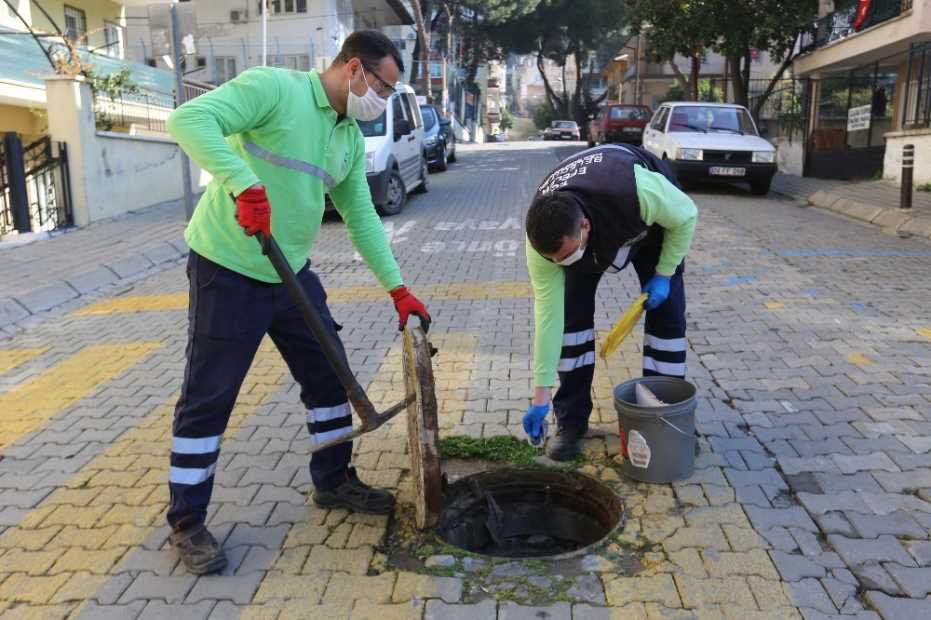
point(619, 123)
point(439, 140)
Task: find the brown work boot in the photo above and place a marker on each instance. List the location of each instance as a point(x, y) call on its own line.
point(200, 552)
point(355, 495)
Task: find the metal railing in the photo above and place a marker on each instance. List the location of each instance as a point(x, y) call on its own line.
point(142, 108)
point(917, 108)
point(840, 24)
point(41, 187)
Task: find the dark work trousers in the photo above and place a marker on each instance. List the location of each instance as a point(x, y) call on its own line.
point(228, 315)
point(664, 343)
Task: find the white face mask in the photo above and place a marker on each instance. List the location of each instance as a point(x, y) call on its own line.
point(575, 256)
point(368, 107)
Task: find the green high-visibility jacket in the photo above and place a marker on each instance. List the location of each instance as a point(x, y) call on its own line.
point(276, 127)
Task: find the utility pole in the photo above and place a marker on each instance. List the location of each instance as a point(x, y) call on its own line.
point(178, 57)
point(265, 32)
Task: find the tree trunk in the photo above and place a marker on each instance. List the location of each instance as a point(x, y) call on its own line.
point(737, 78)
point(423, 45)
point(551, 96)
point(579, 112)
point(761, 100)
point(696, 70)
point(681, 79)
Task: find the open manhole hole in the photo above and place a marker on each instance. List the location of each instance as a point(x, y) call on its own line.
point(514, 513)
point(528, 513)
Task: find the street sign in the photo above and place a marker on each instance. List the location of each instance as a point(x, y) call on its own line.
point(859, 118)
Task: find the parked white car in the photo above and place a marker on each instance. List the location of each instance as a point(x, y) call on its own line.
point(395, 159)
point(711, 140)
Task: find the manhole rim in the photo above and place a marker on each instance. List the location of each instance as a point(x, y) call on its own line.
point(568, 555)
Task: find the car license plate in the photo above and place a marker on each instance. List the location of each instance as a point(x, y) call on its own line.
point(720, 171)
point(632, 130)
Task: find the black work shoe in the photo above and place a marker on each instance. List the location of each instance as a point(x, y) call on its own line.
point(566, 444)
point(355, 495)
point(199, 550)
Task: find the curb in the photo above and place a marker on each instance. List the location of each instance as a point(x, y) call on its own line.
point(21, 306)
point(894, 221)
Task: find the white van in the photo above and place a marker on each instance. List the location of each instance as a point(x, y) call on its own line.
point(395, 161)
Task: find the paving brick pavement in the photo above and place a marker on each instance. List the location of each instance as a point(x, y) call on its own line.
point(875, 202)
point(810, 496)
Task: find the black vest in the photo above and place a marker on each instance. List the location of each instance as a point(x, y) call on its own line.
point(602, 182)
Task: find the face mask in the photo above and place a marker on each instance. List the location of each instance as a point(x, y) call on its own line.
point(368, 107)
point(575, 256)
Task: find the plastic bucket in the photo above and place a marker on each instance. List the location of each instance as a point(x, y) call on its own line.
point(658, 443)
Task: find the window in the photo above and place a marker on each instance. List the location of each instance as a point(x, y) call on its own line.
point(150, 62)
point(225, 68)
point(75, 23)
point(284, 7)
point(436, 71)
point(296, 62)
point(413, 111)
point(113, 35)
point(429, 117)
point(201, 62)
point(629, 113)
point(711, 119)
point(398, 109)
point(659, 124)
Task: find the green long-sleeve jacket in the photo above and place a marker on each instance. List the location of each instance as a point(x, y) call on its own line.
point(661, 203)
point(276, 127)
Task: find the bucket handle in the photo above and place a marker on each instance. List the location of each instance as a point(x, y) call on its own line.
point(674, 427)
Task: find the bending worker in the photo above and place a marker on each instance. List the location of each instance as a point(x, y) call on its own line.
point(277, 141)
point(599, 211)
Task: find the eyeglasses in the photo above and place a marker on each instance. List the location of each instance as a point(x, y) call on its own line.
point(385, 89)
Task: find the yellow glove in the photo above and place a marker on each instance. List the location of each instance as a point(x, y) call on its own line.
point(623, 326)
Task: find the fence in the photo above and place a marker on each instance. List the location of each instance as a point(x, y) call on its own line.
point(141, 109)
point(781, 113)
point(840, 23)
point(917, 111)
point(34, 180)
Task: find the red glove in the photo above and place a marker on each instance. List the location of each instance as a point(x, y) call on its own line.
point(253, 211)
point(406, 304)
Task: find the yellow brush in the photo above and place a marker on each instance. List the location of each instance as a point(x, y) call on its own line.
point(622, 327)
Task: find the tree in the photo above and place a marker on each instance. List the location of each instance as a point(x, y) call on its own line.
point(564, 31)
point(773, 26)
point(544, 115)
point(733, 28)
point(671, 28)
point(507, 119)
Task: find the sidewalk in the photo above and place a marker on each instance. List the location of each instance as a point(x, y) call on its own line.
point(50, 272)
point(875, 202)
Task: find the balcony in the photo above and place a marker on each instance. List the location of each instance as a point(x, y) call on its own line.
point(840, 24)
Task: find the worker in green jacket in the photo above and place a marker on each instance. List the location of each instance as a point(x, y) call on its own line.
point(276, 142)
point(597, 212)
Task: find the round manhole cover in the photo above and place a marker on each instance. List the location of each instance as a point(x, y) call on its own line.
point(422, 428)
point(523, 513)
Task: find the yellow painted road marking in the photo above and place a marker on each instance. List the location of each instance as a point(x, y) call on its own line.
point(113, 504)
point(337, 295)
point(774, 305)
point(11, 358)
point(924, 331)
point(859, 359)
point(27, 407)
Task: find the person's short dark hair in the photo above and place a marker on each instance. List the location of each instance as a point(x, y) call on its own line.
point(550, 218)
point(369, 46)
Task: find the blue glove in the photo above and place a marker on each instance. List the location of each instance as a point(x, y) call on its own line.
point(658, 290)
point(535, 424)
